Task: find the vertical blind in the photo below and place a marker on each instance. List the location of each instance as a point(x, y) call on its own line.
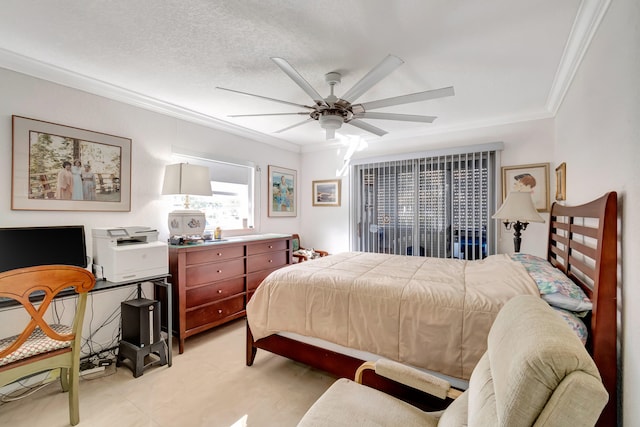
point(437, 206)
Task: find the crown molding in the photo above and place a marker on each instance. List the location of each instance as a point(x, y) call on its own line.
point(588, 19)
point(42, 70)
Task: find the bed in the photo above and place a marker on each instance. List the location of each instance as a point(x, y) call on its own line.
point(582, 245)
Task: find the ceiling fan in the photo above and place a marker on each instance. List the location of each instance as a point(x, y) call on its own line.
point(331, 112)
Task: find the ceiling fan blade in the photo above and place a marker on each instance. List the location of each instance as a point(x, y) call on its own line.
point(265, 97)
point(378, 73)
point(407, 99)
point(390, 116)
point(293, 126)
point(299, 80)
point(268, 114)
point(366, 126)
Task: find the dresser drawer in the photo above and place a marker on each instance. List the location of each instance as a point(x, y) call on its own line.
point(214, 254)
point(266, 261)
point(214, 292)
point(261, 247)
point(205, 273)
point(215, 312)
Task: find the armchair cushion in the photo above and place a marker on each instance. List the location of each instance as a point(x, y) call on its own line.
point(360, 403)
point(456, 414)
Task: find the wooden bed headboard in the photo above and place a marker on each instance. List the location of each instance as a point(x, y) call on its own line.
point(583, 242)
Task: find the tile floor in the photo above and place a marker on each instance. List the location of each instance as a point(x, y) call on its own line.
point(208, 385)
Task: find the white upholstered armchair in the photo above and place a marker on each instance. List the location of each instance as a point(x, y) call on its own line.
point(535, 372)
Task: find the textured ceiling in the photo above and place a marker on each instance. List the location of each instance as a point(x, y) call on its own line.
point(501, 56)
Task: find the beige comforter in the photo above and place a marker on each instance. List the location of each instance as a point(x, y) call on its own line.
point(428, 312)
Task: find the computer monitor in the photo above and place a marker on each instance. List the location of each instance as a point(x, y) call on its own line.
point(30, 246)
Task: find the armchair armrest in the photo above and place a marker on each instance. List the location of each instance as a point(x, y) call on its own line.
point(409, 376)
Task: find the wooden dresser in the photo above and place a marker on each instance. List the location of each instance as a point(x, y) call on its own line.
point(212, 282)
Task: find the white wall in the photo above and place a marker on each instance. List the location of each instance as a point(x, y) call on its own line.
point(323, 227)
point(598, 135)
point(528, 142)
point(153, 136)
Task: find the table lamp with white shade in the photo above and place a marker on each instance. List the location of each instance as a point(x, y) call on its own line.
point(517, 212)
point(186, 179)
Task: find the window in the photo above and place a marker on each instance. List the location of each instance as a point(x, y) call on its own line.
point(231, 205)
point(438, 205)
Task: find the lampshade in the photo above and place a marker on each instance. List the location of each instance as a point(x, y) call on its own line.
point(186, 179)
point(183, 178)
point(518, 206)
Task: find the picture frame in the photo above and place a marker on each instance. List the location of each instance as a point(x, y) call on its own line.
point(282, 198)
point(326, 192)
point(561, 182)
point(530, 178)
point(46, 174)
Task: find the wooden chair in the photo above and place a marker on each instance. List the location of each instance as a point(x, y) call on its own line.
point(301, 254)
point(42, 346)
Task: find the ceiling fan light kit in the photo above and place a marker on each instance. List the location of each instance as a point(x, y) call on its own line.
point(331, 123)
point(331, 112)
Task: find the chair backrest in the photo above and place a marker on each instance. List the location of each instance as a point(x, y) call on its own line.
point(43, 283)
point(535, 372)
point(295, 242)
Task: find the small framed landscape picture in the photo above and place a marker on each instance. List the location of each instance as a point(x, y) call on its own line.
point(326, 192)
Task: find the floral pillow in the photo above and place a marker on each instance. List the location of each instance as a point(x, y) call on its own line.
point(554, 286)
point(575, 323)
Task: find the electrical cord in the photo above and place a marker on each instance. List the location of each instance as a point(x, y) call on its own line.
point(92, 346)
point(94, 375)
point(25, 391)
point(89, 346)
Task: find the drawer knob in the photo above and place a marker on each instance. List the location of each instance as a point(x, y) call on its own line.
point(270, 260)
point(219, 253)
point(220, 311)
point(270, 246)
point(219, 291)
point(219, 271)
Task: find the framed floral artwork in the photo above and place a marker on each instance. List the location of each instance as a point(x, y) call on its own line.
point(282, 191)
point(64, 168)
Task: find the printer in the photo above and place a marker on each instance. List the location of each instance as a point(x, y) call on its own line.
point(125, 254)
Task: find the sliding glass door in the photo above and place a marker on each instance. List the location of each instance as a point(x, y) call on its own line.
point(438, 206)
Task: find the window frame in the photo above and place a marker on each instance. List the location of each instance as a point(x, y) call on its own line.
point(211, 161)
